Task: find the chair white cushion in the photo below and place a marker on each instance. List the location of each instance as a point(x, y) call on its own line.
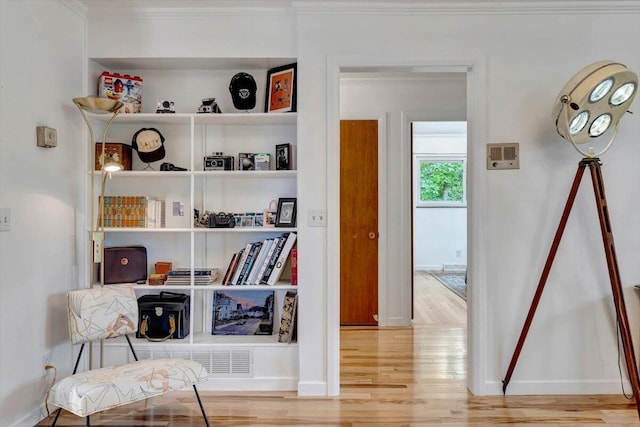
point(100, 389)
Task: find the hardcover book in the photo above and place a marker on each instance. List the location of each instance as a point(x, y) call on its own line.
point(288, 318)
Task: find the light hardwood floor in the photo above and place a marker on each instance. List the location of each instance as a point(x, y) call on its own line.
point(413, 376)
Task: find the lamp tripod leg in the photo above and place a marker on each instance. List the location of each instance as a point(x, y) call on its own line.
point(545, 274)
point(614, 276)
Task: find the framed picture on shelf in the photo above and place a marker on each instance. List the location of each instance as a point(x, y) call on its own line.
point(286, 215)
point(283, 157)
point(243, 312)
point(281, 89)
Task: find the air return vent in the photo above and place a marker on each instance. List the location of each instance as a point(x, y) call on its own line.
point(503, 156)
point(233, 362)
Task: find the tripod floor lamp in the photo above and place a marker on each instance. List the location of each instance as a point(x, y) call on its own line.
point(590, 104)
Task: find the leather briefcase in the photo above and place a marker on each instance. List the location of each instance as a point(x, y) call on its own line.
point(125, 264)
point(164, 316)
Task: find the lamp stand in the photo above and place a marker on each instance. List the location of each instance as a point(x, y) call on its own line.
point(614, 274)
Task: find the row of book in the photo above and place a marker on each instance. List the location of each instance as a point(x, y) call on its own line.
point(260, 263)
point(131, 211)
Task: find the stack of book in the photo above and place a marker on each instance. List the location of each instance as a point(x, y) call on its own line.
point(201, 276)
point(260, 263)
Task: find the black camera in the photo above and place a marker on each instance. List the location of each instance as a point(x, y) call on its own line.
point(218, 162)
point(170, 167)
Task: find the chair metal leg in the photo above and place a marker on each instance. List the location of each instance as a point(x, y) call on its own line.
point(55, 420)
point(88, 422)
point(204, 415)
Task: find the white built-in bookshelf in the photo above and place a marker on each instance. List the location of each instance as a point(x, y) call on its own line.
point(240, 362)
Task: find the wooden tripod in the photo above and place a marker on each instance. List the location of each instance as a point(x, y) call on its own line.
point(614, 275)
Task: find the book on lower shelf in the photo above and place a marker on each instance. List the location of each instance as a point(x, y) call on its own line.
point(201, 276)
point(288, 317)
point(260, 263)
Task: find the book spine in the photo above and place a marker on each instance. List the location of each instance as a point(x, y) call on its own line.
point(229, 271)
point(294, 267)
point(282, 259)
point(253, 253)
point(241, 262)
point(274, 258)
point(258, 262)
point(265, 262)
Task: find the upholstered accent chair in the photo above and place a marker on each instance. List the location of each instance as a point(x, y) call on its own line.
point(109, 312)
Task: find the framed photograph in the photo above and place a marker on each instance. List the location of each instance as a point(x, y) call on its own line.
point(286, 216)
point(283, 157)
point(281, 89)
point(242, 313)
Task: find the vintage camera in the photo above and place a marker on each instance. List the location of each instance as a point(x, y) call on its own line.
point(209, 105)
point(170, 167)
point(165, 107)
point(218, 162)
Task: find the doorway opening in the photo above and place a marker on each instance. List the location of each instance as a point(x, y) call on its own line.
point(439, 223)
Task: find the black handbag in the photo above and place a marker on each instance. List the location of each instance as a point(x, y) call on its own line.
point(222, 220)
point(163, 317)
point(125, 264)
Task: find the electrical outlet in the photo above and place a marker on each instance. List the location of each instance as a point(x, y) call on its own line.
point(98, 239)
point(46, 137)
point(5, 219)
point(317, 218)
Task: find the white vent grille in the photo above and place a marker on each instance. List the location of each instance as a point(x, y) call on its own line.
point(204, 358)
point(221, 362)
point(241, 362)
point(503, 156)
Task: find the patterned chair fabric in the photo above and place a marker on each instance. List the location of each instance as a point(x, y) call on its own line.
point(108, 312)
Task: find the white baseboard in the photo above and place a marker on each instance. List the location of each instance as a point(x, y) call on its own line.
point(558, 387)
point(249, 384)
point(308, 388)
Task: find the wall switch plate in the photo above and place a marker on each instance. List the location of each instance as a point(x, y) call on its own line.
point(5, 219)
point(46, 137)
point(503, 156)
point(317, 218)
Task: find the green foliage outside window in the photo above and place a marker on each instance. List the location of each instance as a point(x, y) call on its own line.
point(441, 181)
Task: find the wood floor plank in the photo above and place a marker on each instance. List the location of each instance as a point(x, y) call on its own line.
point(390, 377)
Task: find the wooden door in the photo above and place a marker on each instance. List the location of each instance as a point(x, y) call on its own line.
point(358, 222)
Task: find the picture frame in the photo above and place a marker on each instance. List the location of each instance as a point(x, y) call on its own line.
point(287, 209)
point(281, 96)
point(243, 312)
point(283, 157)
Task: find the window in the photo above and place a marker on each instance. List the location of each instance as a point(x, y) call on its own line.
point(440, 180)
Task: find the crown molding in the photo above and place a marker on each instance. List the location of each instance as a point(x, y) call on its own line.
point(455, 7)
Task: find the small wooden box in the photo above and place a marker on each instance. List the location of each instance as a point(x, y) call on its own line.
point(163, 267)
point(117, 152)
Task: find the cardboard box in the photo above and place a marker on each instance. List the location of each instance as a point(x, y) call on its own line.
point(118, 152)
point(122, 87)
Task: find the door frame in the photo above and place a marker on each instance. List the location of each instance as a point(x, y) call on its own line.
point(475, 67)
point(382, 214)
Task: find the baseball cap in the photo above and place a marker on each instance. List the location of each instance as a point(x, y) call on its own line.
point(149, 143)
point(243, 91)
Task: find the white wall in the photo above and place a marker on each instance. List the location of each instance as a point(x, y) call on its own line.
point(40, 71)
